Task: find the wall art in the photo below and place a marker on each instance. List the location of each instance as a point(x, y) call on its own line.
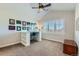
point(11, 27)
point(18, 28)
point(24, 28)
point(24, 23)
point(18, 22)
point(28, 23)
point(12, 21)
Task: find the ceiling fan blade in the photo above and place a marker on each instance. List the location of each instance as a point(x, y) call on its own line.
point(35, 7)
point(47, 5)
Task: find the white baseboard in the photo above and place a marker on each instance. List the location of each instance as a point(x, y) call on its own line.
point(12, 43)
point(54, 40)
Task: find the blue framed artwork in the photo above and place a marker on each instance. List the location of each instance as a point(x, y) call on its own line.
point(28, 23)
point(24, 28)
point(18, 28)
point(28, 28)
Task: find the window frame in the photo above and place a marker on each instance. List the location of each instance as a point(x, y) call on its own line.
point(60, 21)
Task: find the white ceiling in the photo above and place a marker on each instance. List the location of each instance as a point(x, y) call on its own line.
point(63, 6)
point(55, 6)
point(58, 6)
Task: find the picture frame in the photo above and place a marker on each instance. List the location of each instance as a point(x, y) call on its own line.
point(18, 22)
point(24, 23)
point(28, 23)
point(18, 28)
point(28, 28)
point(11, 27)
point(12, 21)
point(24, 28)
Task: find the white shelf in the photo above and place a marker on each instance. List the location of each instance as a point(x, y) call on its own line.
point(25, 38)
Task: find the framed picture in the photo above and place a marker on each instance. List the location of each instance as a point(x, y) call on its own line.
point(24, 23)
point(28, 29)
point(12, 21)
point(18, 22)
point(11, 27)
point(18, 28)
point(31, 23)
point(24, 28)
point(28, 23)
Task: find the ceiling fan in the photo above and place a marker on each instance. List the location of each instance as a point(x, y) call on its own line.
point(42, 6)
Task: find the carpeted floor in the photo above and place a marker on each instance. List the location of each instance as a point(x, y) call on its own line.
point(43, 48)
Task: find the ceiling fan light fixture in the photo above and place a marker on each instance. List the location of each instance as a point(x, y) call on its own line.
point(41, 9)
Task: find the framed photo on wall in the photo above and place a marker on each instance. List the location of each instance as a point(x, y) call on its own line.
point(24, 23)
point(28, 23)
point(18, 22)
point(11, 27)
point(24, 28)
point(12, 21)
point(18, 28)
point(28, 28)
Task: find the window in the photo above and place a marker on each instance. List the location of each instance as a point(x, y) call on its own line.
point(54, 25)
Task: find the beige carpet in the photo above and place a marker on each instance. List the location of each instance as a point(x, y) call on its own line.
point(43, 48)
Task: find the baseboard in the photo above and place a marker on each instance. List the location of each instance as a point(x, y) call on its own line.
point(53, 40)
point(12, 43)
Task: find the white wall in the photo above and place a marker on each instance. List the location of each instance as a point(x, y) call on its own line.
point(16, 11)
point(77, 18)
point(68, 17)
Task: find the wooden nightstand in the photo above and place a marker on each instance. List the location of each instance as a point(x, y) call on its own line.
point(70, 47)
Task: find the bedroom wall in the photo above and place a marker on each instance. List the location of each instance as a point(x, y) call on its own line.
point(16, 11)
point(77, 18)
point(68, 17)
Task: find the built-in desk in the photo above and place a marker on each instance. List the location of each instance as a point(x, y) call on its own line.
point(26, 37)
